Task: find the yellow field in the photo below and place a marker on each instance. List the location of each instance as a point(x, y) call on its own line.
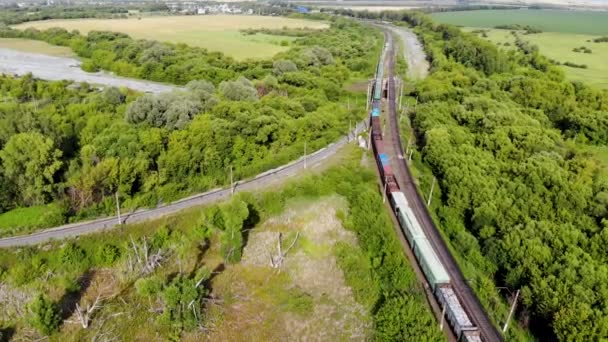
point(214, 32)
point(35, 46)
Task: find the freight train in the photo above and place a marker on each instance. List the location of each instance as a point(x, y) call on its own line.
point(431, 266)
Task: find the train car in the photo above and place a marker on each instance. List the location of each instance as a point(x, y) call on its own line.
point(378, 82)
point(375, 112)
point(391, 184)
point(470, 336)
point(431, 266)
point(454, 312)
point(376, 127)
point(376, 122)
point(377, 147)
point(411, 228)
point(384, 165)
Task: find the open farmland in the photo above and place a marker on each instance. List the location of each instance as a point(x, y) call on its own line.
point(34, 46)
point(562, 32)
point(559, 47)
point(580, 22)
point(216, 33)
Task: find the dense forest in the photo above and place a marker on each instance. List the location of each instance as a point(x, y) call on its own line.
point(504, 132)
point(77, 146)
point(522, 198)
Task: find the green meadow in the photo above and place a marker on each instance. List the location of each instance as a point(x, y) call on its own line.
point(580, 22)
point(563, 31)
point(559, 47)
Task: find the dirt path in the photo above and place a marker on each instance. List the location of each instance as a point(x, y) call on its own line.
point(417, 65)
point(62, 68)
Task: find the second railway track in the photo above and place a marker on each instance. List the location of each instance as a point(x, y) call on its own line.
point(469, 300)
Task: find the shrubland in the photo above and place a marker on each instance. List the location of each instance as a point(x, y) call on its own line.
point(157, 273)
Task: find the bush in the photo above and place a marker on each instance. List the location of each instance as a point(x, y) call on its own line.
point(44, 315)
point(107, 254)
point(240, 90)
point(574, 65)
point(89, 66)
point(73, 255)
point(282, 66)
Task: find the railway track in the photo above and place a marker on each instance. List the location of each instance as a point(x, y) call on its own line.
point(405, 180)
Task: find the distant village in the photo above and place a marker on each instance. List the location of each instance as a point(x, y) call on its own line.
point(198, 8)
point(179, 7)
point(218, 8)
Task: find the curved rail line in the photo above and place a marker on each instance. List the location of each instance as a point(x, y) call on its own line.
point(469, 300)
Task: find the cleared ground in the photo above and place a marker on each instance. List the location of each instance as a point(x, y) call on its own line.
point(559, 47)
point(580, 22)
point(35, 46)
point(308, 299)
point(216, 33)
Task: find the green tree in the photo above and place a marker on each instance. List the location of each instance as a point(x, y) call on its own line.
point(282, 66)
point(31, 163)
point(234, 213)
point(240, 90)
point(183, 302)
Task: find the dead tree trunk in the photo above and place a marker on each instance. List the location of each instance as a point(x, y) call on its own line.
point(84, 315)
point(277, 261)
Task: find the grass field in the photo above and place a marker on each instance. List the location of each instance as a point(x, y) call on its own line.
point(23, 220)
point(35, 46)
point(216, 33)
point(558, 46)
point(579, 22)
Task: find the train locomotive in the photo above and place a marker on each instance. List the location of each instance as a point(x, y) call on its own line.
point(433, 269)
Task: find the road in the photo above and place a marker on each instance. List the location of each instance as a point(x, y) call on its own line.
point(260, 182)
point(62, 68)
point(413, 52)
point(464, 292)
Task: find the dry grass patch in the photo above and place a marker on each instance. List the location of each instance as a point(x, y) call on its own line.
point(214, 32)
point(306, 298)
point(35, 46)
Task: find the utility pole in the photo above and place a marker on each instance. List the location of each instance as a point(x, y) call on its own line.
point(231, 182)
point(442, 318)
point(369, 87)
point(388, 90)
point(411, 152)
point(118, 208)
point(428, 202)
point(409, 141)
point(384, 192)
point(304, 153)
point(350, 129)
point(504, 329)
point(401, 97)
